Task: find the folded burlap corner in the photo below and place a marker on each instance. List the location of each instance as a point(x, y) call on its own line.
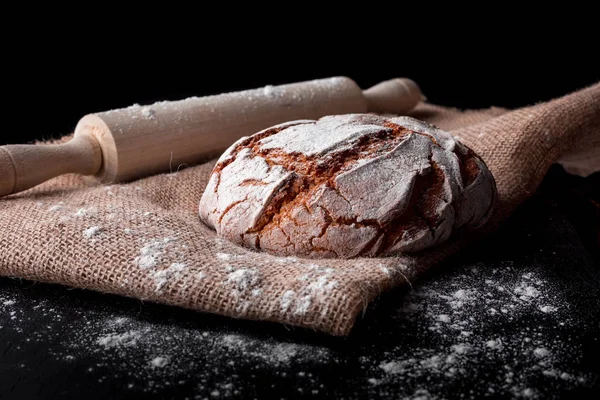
point(143, 239)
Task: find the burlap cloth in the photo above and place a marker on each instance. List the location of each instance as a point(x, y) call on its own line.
point(143, 239)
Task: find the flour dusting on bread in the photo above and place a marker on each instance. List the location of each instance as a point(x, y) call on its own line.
point(347, 186)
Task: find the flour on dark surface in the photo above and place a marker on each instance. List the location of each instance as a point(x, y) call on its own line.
point(515, 322)
point(469, 318)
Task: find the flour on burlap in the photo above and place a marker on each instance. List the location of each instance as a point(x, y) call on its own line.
point(164, 260)
point(92, 231)
point(51, 246)
point(56, 207)
point(86, 211)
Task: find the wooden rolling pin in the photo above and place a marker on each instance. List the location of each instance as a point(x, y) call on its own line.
point(137, 141)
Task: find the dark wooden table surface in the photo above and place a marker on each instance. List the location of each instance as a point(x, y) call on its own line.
point(516, 317)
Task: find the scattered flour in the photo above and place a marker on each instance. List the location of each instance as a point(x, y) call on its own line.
point(541, 352)
point(285, 260)
point(547, 309)
point(443, 336)
point(287, 299)
point(159, 362)
point(494, 344)
point(458, 317)
point(150, 254)
point(526, 291)
point(281, 354)
point(224, 256)
point(83, 212)
point(461, 348)
point(443, 318)
point(162, 277)
point(392, 367)
point(117, 340)
point(269, 91)
point(165, 262)
point(384, 269)
point(92, 231)
point(155, 356)
point(317, 283)
point(148, 113)
point(244, 278)
point(302, 305)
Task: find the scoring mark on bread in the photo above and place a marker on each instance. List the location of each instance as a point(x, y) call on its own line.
point(348, 186)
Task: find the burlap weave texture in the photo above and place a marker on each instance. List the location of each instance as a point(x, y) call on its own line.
point(143, 239)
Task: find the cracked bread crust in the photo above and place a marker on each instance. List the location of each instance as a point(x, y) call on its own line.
point(347, 186)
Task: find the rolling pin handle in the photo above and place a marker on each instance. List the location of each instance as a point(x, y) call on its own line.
point(395, 96)
point(25, 166)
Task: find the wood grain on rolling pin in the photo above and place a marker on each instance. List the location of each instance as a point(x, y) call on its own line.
point(137, 141)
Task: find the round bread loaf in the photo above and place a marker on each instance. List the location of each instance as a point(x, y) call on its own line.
point(347, 186)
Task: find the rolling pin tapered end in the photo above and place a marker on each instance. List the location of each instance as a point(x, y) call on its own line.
point(394, 96)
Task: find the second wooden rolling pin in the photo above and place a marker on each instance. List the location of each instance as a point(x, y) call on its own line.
point(137, 141)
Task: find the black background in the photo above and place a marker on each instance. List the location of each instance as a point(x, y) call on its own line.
point(56, 71)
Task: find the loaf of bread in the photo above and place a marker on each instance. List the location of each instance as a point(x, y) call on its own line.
point(347, 186)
